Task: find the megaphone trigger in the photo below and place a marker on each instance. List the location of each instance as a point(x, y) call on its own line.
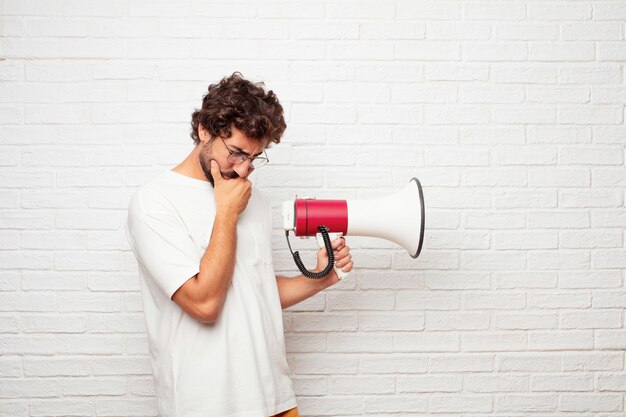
point(332, 237)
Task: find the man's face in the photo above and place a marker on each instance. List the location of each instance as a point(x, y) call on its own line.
point(225, 150)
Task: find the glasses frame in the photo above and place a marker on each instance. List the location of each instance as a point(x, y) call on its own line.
point(263, 159)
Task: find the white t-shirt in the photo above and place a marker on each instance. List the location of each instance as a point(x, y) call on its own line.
point(235, 367)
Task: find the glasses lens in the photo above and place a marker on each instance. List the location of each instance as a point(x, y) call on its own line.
point(259, 162)
point(237, 158)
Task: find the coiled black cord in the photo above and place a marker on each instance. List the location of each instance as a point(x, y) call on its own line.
point(329, 250)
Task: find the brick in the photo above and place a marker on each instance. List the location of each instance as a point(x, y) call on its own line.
point(425, 300)
point(478, 362)
point(428, 51)
point(579, 300)
point(562, 340)
point(525, 115)
point(502, 135)
point(305, 343)
point(591, 198)
point(392, 364)
point(610, 10)
point(395, 404)
point(482, 11)
point(525, 240)
point(29, 388)
point(527, 32)
point(591, 31)
point(551, 95)
point(559, 259)
point(324, 322)
point(11, 367)
point(609, 259)
point(526, 279)
point(324, 364)
point(358, 385)
point(448, 403)
point(429, 384)
point(526, 199)
point(494, 220)
point(389, 30)
point(9, 324)
point(457, 281)
point(494, 301)
point(491, 94)
point(494, 177)
point(558, 219)
point(560, 52)
point(590, 279)
point(436, 321)
point(528, 362)
point(493, 342)
point(580, 383)
point(361, 301)
point(487, 260)
point(426, 342)
point(611, 382)
point(559, 134)
point(25, 260)
point(415, 93)
point(559, 11)
point(591, 74)
point(457, 30)
point(494, 51)
point(431, 10)
point(53, 199)
point(611, 51)
point(525, 402)
point(524, 74)
point(591, 402)
point(591, 115)
point(61, 407)
point(329, 406)
point(610, 339)
point(525, 321)
point(605, 319)
point(391, 322)
point(609, 298)
point(53, 324)
point(456, 72)
point(593, 361)
point(497, 383)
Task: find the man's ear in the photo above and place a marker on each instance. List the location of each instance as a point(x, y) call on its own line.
point(203, 134)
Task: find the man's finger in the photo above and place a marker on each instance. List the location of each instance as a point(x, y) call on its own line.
point(215, 171)
point(337, 243)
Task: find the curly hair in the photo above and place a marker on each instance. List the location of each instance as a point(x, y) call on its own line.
point(235, 101)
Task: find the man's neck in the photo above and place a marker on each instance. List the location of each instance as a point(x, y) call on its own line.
point(190, 166)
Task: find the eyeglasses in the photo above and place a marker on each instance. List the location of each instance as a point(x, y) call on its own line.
point(237, 158)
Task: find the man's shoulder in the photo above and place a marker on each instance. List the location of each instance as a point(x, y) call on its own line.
point(154, 196)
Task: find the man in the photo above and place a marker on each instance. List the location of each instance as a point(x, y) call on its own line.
point(201, 235)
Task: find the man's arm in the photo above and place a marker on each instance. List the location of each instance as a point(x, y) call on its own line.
point(294, 290)
point(203, 295)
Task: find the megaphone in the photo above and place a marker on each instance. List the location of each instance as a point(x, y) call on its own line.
point(398, 218)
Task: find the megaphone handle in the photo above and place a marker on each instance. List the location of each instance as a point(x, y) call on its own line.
point(320, 242)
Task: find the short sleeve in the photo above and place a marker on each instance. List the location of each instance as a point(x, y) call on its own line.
point(165, 252)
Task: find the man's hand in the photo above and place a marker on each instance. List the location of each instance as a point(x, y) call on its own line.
point(231, 195)
point(343, 258)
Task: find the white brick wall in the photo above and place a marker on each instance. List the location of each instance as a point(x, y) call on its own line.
point(510, 112)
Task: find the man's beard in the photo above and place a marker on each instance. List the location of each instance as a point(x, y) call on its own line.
point(206, 168)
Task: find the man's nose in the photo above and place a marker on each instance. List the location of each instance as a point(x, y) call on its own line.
point(244, 168)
